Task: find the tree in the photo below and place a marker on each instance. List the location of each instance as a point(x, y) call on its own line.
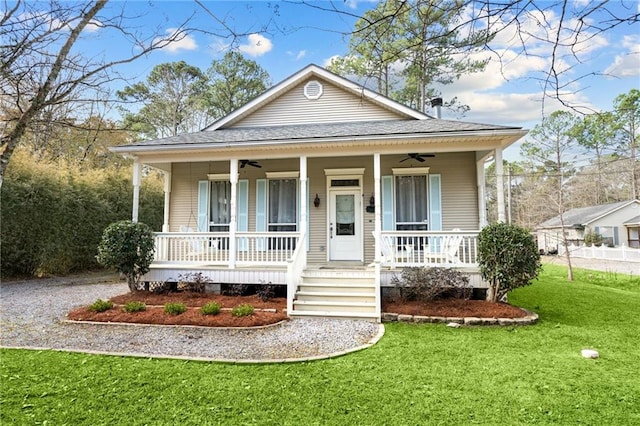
point(552, 145)
point(172, 101)
point(595, 133)
point(407, 47)
point(508, 258)
point(233, 81)
point(627, 126)
point(565, 33)
point(128, 247)
point(42, 69)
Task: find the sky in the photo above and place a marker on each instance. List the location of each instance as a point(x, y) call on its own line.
point(284, 37)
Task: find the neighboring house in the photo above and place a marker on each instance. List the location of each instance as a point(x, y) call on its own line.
point(617, 223)
point(324, 186)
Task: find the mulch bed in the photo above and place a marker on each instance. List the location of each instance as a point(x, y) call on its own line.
point(454, 308)
point(154, 314)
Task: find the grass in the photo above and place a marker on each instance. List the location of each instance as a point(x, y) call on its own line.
point(417, 374)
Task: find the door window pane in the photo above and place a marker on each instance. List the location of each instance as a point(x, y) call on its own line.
point(283, 212)
point(411, 203)
point(345, 215)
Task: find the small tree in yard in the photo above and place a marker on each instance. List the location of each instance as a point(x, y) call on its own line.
point(508, 258)
point(127, 247)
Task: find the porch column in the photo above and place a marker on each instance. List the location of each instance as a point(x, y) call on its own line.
point(376, 195)
point(304, 196)
point(233, 223)
point(167, 199)
point(136, 189)
point(482, 206)
point(500, 184)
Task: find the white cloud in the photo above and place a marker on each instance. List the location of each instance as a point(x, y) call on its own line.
point(183, 41)
point(257, 45)
point(299, 55)
point(626, 64)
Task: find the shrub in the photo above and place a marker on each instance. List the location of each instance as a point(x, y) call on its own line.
point(192, 282)
point(425, 284)
point(592, 238)
point(243, 310)
point(508, 258)
point(101, 305)
point(175, 308)
point(266, 292)
point(131, 307)
point(127, 247)
point(211, 308)
point(236, 289)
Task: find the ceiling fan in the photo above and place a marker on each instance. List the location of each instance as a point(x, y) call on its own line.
point(416, 156)
point(252, 163)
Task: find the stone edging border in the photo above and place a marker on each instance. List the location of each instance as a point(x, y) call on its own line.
point(530, 318)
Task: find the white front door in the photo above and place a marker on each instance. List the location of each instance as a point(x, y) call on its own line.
point(345, 228)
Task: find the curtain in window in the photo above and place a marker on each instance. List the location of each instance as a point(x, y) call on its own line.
point(282, 204)
point(411, 202)
point(220, 202)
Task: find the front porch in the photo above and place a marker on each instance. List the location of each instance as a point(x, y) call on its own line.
point(339, 289)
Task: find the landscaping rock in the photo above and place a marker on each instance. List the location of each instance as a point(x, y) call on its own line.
point(421, 318)
point(590, 353)
point(389, 317)
point(405, 318)
point(454, 325)
point(473, 321)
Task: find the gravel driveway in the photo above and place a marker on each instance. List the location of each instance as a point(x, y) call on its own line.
point(32, 315)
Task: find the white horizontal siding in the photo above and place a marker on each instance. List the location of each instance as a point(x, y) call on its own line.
point(335, 105)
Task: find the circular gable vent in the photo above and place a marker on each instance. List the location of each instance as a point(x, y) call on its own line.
point(313, 90)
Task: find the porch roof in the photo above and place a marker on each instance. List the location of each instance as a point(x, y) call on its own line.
point(387, 129)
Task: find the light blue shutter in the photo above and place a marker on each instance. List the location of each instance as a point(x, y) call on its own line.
point(616, 240)
point(387, 203)
point(243, 212)
point(203, 206)
point(435, 204)
point(261, 211)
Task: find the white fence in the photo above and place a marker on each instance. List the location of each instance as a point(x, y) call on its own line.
point(622, 253)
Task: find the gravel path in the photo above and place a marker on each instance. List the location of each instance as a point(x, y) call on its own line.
point(32, 314)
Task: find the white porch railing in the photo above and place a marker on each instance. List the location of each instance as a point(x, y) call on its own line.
point(295, 267)
point(212, 248)
point(429, 248)
point(622, 253)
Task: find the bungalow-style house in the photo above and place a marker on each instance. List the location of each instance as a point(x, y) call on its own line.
point(617, 223)
point(326, 187)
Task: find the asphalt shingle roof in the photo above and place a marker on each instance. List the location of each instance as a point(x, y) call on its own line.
point(322, 130)
point(582, 215)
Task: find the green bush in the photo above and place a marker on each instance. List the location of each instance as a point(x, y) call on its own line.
point(243, 310)
point(131, 307)
point(53, 215)
point(426, 284)
point(211, 308)
point(508, 258)
point(592, 238)
point(101, 305)
point(175, 308)
point(127, 247)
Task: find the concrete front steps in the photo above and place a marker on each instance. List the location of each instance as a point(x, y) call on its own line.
point(334, 293)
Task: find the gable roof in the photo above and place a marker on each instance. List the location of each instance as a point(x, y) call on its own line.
point(305, 73)
point(409, 126)
point(634, 221)
point(585, 215)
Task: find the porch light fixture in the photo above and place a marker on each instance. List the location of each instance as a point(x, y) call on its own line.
point(316, 201)
point(372, 201)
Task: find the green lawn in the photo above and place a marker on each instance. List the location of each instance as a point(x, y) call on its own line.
point(416, 375)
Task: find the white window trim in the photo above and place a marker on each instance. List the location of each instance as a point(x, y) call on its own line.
point(219, 176)
point(282, 175)
point(410, 171)
point(344, 172)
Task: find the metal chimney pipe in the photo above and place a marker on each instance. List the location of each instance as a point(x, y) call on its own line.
point(436, 104)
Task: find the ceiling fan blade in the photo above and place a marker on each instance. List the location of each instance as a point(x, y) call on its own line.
point(405, 159)
point(420, 159)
